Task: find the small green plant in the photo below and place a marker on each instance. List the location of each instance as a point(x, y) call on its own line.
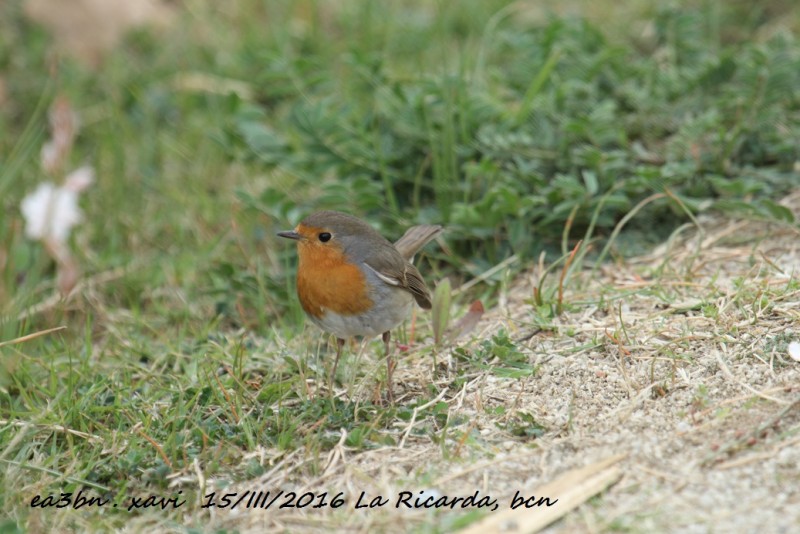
point(500, 356)
point(440, 314)
point(523, 425)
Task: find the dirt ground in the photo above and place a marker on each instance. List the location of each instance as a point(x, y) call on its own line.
point(678, 361)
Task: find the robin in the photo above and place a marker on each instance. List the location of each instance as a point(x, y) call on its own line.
point(351, 281)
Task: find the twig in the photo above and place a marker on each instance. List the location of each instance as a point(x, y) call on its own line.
point(56, 428)
point(734, 444)
point(486, 274)
point(157, 447)
point(414, 416)
point(727, 372)
point(29, 337)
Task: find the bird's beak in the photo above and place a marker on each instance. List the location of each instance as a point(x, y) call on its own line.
point(291, 235)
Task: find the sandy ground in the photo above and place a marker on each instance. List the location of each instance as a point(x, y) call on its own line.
point(677, 360)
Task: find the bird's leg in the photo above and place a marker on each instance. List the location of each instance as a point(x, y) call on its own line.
point(339, 345)
point(387, 336)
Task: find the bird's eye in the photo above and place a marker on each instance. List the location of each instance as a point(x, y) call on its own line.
point(325, 237)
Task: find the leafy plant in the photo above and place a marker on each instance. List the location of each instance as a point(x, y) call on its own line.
point(523, 425)
point(500, 356)
point(554, 123)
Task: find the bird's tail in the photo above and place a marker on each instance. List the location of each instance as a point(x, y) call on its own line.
point(415, 238)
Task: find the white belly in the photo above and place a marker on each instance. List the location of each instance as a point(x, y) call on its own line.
point(391, 306)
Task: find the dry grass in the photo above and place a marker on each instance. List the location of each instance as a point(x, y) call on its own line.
point(676, 360)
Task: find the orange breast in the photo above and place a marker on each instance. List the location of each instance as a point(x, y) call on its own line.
point(325, 281)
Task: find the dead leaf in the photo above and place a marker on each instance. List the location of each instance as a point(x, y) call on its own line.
point(68, 276)
point(467, 324)
point(63, 128)
point(571, 489)
point(687, 305)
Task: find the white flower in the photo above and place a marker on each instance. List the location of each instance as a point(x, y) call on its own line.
point(794, 350)
point(50, 212)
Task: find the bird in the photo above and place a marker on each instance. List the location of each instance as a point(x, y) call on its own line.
point(352, 281)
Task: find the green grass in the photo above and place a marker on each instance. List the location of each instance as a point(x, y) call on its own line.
point(185, 341)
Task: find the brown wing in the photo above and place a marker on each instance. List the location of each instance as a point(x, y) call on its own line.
point(416, 285)
point(393, 269)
